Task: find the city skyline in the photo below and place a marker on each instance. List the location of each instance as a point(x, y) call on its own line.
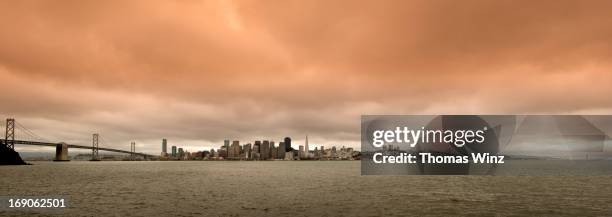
point(228, 142)
point(261, 150)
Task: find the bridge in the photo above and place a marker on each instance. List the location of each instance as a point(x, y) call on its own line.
point(61, 149)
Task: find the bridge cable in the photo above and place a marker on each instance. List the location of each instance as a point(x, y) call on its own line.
point(30, 133)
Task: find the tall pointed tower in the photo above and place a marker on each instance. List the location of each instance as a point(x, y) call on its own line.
point(306, 150)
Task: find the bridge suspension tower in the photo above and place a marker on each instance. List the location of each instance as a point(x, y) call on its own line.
point(9, 136)
point(132, 150)
point(94, 147)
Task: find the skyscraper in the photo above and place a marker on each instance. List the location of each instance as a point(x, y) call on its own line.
point(256, 150)
point(173, 151)
point(164, 147)
point(226, 144)
point(322, 151)
point(234, 151)
point(265, 150)
point(247, 150)
point(257, 146)
point(301, 152)
point(288, 144)
point(273, 150)
point(281, 150)
point(306, 150)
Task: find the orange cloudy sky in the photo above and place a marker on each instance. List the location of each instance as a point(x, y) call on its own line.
point(197, 72)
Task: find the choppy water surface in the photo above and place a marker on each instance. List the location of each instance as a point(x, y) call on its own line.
point(327, 188)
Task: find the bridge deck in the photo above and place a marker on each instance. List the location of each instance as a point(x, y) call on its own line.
point(22, 142)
